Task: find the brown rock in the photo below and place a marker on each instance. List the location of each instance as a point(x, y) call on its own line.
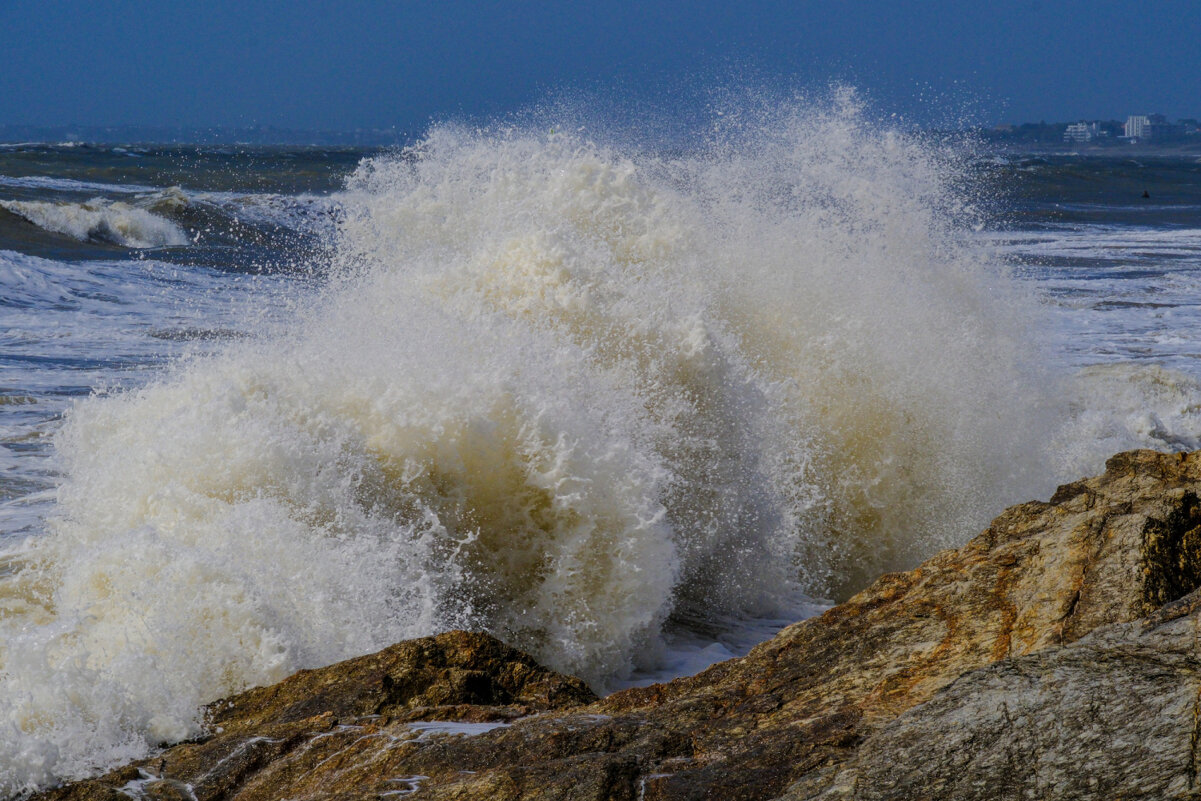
point(457, 671)
point(972, 674)
point(1111, 716)
point(343, 722)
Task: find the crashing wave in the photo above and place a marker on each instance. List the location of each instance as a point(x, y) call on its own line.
point(576, 396)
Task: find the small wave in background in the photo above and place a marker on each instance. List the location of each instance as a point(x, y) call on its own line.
point(99, 220)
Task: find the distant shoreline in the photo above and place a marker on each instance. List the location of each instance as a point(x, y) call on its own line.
point(167, 135)
point(1116, 150)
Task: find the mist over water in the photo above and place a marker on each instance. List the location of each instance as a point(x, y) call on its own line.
point(579, 395)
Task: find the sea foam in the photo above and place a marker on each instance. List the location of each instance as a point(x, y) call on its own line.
point(567, 392)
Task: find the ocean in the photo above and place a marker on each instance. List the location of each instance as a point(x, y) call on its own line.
point(630, 408)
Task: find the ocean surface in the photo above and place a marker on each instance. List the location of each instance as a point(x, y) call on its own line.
point(630, 409)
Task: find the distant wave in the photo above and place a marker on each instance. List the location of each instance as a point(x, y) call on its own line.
point(106, 221)
point(138, 216)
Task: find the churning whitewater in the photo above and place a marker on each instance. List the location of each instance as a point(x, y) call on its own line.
point(576, 395)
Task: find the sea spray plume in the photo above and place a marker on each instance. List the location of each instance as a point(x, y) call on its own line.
point(817, 253)
point(848, 276)
point(555, 390)
point(583, 250)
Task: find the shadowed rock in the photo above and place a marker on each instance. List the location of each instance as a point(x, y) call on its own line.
point(1055, 655)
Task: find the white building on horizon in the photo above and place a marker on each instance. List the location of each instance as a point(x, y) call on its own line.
point(1137, 126)
point(1082, 132)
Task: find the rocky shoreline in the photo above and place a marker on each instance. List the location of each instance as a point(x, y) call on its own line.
point(1056, 655)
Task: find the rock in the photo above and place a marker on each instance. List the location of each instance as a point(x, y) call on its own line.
point(1055, 655)
point(1114, 715)
point(458, 676)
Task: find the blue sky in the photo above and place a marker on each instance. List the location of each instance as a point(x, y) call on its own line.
point(341, 65)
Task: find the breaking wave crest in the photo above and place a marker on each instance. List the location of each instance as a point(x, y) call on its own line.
point(112, 222)
point(570, 394)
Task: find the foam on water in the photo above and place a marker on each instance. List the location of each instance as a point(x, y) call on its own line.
point(1117, 407)
point(1125, 301)
point(593, 401)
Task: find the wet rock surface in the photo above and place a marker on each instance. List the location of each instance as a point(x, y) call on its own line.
point(1056, 655)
